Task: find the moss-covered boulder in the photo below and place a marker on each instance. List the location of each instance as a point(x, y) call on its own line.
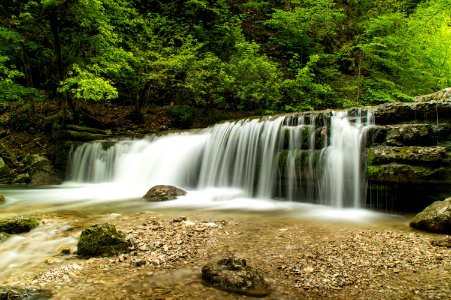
point(102, 240)
point(234, 275)
point(164, 193)
point(18, 224)
point(435, 218)
point(2, 199)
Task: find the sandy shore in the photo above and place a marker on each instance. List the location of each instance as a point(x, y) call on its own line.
point(299, 259)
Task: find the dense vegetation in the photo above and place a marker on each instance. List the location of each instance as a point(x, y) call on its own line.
point(266, 56)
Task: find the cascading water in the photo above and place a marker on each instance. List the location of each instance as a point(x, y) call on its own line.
point(315, 158)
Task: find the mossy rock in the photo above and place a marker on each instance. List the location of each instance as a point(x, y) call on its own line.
point(2, 199)
point(18, 224)
point(102, 240)
point(435, 218)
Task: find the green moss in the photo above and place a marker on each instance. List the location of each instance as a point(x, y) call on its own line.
point(101, 240)
point(18, 224)
point(373, 171)
point(407, 173)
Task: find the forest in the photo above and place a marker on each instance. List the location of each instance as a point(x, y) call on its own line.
point(261, 56)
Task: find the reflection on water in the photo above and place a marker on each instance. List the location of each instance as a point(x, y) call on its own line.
point(65, 209)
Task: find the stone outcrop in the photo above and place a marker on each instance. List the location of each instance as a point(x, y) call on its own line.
point(437, 96)
point(409, 153)
point(18, 224)
point(102, 240)
point(234, 275)
point(435, 218)
point(32, 169)
point(164, 193)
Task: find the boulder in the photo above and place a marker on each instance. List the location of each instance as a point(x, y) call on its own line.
point(164, 193)
point(18, 224)
point(40, 170)
point(102, 240)
point(2, 199)
point(435, 218)
point(234, 275)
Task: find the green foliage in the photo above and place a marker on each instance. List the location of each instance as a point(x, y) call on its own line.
point(235, 55)
point(85, 85)
point(249, 80)
point(304, 92)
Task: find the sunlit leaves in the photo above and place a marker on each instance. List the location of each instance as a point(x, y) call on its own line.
point(84, 85)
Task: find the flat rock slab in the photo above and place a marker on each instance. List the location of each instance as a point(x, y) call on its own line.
point(234, 275)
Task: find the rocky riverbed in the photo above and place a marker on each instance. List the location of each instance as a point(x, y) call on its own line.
point(299, 259)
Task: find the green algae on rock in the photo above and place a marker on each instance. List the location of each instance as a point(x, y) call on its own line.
point(102, 240)
point(18, 224)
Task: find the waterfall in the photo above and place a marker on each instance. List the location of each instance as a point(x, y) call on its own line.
point(311, 157)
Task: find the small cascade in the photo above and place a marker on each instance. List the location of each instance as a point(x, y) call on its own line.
point(311, 157)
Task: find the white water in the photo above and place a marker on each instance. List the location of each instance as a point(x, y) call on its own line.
point(322, 164)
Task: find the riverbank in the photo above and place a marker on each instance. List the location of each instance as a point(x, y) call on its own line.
point(300, 259)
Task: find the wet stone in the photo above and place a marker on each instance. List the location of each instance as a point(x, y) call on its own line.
point(234, 275)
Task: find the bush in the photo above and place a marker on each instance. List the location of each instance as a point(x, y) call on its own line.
point(182, 116)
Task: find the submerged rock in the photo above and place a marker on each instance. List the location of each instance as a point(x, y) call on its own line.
point(234, 275)
point(435, 218)
point(18, 224)
point(102, 240)
point(164, 193)
point(28, 294)
point(446, 242)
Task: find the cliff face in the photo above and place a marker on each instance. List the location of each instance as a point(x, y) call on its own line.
point(409, 154)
